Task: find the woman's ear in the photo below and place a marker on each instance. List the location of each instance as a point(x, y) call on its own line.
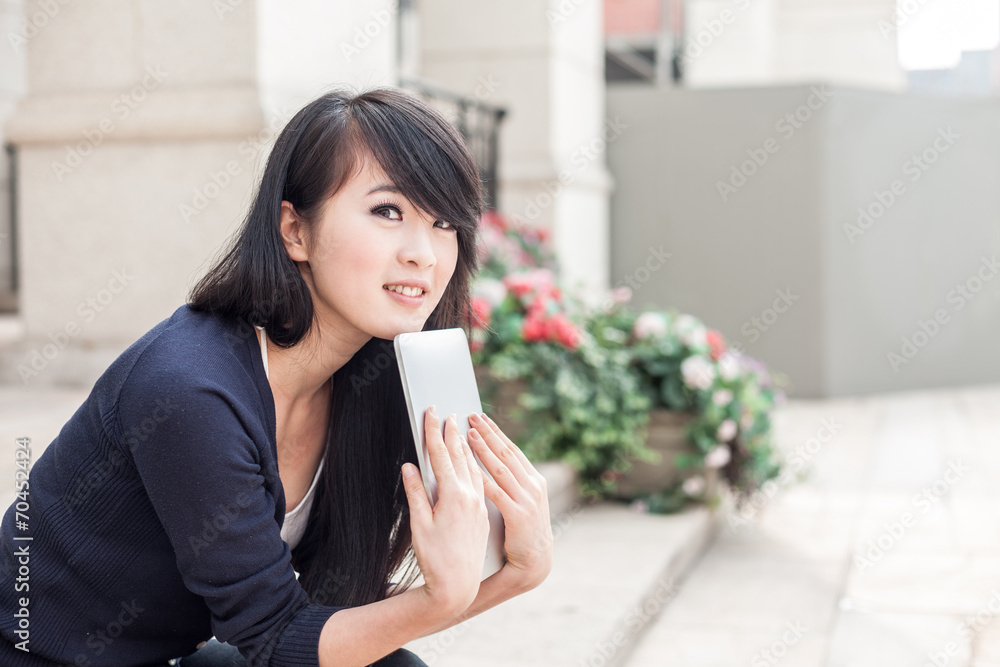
point(293, 233)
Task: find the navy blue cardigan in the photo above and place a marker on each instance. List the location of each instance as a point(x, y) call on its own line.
point(155, 516)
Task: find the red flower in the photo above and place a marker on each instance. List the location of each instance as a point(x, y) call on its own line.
point(494, 219)
point(481, 311)
point(533, 328)
point(562, 331)
point(716, 342)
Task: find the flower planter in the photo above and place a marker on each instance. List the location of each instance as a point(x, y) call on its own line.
point(666, 437)
point(504, 393)
point(561, 479)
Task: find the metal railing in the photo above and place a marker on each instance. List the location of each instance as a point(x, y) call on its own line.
point(478, 123)
point(8, 236)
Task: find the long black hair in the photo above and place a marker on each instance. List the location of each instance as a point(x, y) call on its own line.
point(358, 535)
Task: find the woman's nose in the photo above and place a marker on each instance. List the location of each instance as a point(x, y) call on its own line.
point(418, 246)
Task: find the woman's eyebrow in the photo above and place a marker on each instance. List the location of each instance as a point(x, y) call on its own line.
point(384, 187)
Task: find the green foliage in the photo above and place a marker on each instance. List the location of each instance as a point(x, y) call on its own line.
point(592, 375)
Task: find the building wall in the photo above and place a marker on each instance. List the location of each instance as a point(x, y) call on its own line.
point(767, 42)
point(140, 138)
point(775, 240)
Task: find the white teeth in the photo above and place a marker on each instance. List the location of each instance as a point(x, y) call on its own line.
point(408, 291)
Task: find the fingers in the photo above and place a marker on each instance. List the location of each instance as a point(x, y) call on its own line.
point(447, 452)
point(508, 465)
point(502, 452)
point(416, 495)
point(457, 448)
point(503, 436)
point(437, 450)
point(475, 472)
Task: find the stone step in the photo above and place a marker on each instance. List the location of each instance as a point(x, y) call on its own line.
point(614, 571)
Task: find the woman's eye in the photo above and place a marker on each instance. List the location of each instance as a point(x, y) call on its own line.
point(446, 225)
point(383, 209)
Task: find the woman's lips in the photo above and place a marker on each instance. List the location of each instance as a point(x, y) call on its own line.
point(411, 301)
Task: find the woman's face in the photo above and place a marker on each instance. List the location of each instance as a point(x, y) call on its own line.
point(368, 243)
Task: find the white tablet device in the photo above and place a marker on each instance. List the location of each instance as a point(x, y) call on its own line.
point(436, 369)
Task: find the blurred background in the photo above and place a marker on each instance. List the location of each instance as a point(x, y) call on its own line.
point(818, 180)
point(822, 174)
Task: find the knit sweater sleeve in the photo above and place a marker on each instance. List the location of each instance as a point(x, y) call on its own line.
point(208, 483)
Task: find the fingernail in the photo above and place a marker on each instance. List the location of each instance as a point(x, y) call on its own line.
point(433, 411)
point(474, 434)
point(453, 418)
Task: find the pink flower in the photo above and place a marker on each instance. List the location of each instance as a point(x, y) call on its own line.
point(533, 329)
point(493, 219)
point(722, 397)
point(726, 431)
point(481, 311)
point(698, 372)
point(621, 294)
point(561, 330)
point(693, 486)
point(716, 342)
point(533, 280)
point(649, 325)
point(718, 456)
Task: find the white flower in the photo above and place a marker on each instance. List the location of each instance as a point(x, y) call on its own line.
point(690, 331)
point(639, 506)
point(649, 325)
point(621, 294)
point(490, 290)
point(698, 372)
point(718, 456)
point(727, 431)
point(722, 397)
point(729, 367)
point(693, 486)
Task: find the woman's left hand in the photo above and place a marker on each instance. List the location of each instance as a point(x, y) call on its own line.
point(520, 493)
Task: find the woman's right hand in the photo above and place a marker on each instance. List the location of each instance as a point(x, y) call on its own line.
point(449, 539)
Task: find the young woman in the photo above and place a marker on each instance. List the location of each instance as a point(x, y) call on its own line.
point(244, 471)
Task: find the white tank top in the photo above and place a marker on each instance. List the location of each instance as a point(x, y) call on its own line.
point(295, 520)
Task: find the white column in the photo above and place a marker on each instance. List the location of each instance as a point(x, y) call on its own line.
point(544, 61)
point(139, 141)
